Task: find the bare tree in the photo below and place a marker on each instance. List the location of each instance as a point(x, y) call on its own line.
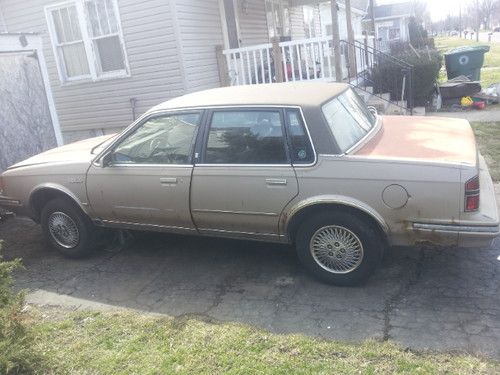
point(486, 8)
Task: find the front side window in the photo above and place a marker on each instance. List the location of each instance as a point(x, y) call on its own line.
point(246, 137)
point(87, 40)
point(165, 139)
point(348, 118)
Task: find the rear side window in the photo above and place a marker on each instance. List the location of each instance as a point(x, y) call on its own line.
point(301, 151)
point(246, 137)
point(348, 118)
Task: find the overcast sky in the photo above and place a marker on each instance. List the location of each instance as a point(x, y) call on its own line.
point(439, 9)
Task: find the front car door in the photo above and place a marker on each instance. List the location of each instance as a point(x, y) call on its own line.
point(245, 177)
point(146, 179)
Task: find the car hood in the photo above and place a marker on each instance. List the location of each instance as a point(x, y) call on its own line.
point(80, 151)
point(423, 138)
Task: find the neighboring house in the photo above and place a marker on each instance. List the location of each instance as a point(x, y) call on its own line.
point(391, 21)
point(108, 61)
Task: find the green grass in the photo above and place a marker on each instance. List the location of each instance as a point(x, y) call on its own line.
point(132, 343)
point(488, 140)
point(489, 75)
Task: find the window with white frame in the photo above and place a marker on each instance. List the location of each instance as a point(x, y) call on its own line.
point(87, 39)
point(278, 18)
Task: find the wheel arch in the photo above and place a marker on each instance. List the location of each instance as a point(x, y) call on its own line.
point(310, 206)
point(42, 194)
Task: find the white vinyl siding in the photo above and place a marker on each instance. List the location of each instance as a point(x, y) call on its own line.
point(200, 30)
point(104, 106)
point(253, 24)
point(87, 39)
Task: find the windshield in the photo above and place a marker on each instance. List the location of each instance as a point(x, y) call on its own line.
point(349, 119)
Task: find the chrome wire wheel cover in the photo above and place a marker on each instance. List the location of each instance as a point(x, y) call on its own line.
point(63, 230)
point(336, 249)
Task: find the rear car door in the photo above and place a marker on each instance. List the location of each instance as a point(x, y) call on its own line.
point(147, 178)
point(245, 177)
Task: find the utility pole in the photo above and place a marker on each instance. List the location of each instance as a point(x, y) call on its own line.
point(336, 42)
point(350, 39)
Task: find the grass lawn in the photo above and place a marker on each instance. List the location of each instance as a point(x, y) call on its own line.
point(131, 343)
point(488, 140)
point(491, 68)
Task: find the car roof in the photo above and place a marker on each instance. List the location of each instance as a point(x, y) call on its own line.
point(303, 94)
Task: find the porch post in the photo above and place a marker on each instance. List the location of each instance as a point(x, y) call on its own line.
point(336, 42)
point(222, 66)
point(372, 22)
point(350, 38)
point(277, 59)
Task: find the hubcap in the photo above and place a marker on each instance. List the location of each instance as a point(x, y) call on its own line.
point(336, 249)
point(63, 230)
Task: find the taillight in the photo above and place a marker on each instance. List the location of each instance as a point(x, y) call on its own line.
point(472, 194)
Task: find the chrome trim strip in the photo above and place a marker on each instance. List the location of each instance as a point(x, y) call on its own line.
point(142, 225)
point(201, 210)
point(240, 233)
point(457, 228)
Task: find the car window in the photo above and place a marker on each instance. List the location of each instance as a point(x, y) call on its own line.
point(246, 137)
point(164, 139)
point(301, 148)
point(348, 119)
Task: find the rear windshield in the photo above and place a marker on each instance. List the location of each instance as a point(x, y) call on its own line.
point(348, 118)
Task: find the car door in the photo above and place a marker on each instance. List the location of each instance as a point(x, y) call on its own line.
point(245, 177)
point(145, 177)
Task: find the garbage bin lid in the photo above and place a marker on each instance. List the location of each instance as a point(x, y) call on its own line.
point(463, 49)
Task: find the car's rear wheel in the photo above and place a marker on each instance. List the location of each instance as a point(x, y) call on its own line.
point(68, 229)
point(341, 248)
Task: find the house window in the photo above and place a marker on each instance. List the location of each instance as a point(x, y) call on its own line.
point(87, 40)
point(278, 18)
point(309, 21)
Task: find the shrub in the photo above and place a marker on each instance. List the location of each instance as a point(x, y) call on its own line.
point(16, 355)
point(388, 76)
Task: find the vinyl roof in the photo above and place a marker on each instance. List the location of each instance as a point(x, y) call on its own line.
point(302, 94)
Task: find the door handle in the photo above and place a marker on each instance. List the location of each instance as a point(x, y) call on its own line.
point(168, 180)
point(275, 181)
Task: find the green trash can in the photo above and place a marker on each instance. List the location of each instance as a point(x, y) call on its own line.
point(465, 61)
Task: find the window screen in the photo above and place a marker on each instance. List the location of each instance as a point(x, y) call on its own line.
point(246, 137)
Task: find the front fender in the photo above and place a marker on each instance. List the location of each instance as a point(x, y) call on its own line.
point(61, 189)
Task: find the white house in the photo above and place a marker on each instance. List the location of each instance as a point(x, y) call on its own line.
point(391, 22)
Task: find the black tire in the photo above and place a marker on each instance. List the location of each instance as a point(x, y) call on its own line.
point(87, 233)
point(370, 239)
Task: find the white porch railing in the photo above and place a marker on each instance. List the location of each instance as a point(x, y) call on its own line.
point(304, 59)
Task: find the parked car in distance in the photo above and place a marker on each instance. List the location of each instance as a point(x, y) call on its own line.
point(301, 163)
point(496, 29)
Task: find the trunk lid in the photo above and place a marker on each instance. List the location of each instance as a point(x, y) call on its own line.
point(423, 138)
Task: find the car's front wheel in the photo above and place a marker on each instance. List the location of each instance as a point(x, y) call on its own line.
point(67, 229)
point(339, 248)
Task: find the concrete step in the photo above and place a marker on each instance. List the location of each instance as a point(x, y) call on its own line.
point(379, 103)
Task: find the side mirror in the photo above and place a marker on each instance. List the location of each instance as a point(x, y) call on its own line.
point(373, 110)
